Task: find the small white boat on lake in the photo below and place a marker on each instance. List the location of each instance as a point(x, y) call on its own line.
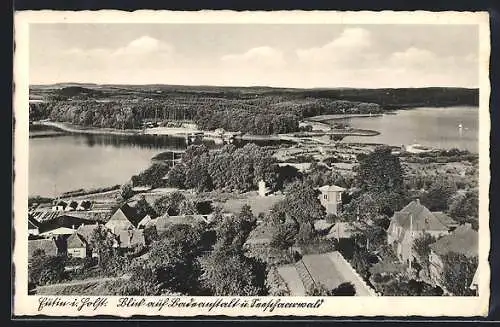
point(417, 148)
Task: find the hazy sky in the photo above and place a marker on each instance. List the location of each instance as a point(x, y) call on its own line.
point(275, 55)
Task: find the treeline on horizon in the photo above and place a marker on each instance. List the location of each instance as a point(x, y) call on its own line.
point(260, 111)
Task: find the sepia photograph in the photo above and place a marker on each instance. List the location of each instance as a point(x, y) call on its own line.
point(291, 158)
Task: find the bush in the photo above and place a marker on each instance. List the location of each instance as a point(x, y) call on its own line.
point(44, 269)
point(126, 191)
point(318, 245)
point(344, 289)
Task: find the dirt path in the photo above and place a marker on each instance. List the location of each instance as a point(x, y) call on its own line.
point(125, 277)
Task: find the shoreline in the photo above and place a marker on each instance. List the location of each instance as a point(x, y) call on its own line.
point(296, 137)
point(324, 118)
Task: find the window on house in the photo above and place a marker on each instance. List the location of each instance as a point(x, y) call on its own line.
point(325, 196)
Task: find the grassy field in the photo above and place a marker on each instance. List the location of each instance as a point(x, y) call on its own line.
point(101, 286)
point(257, 203)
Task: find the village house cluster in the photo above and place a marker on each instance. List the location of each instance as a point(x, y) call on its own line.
point(71, 236)
point(406, 225)
point(413, 221)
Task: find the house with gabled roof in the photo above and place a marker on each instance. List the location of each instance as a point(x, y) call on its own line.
point(410, 223)
point(125, 218)
point(463, 240)
point(77, 247)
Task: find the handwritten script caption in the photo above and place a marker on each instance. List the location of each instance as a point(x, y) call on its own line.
point(96, 303)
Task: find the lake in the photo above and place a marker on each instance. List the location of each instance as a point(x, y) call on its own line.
point(64, 163)
point(69, 162)
point(436, 127)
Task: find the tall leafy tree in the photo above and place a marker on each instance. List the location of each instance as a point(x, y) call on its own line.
point(439, 195)
point(301, 202)
point(465, 208)
point(227, 272)
point(126, 191)
point(380, 171)
point(174, 259)
point(421, 246)
point(144, 208)
point(101, 242)
point(458, 273)
point(233, 231)
point(169, 203)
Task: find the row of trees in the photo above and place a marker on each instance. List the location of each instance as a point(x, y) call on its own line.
point(230, 168)
point(262, 116)
point(292, 219)
point(193, 260)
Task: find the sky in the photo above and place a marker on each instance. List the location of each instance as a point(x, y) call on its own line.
point(299, 56)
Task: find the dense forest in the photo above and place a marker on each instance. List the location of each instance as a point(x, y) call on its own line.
point(228, 168)
point(249, 110)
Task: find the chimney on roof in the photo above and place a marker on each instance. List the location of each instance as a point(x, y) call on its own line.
point(417, 201)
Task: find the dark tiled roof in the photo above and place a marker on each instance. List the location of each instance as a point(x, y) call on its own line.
point(419, 217)
point(462, 240)
point(32, 223)
point(63, 221)
point(129, 213)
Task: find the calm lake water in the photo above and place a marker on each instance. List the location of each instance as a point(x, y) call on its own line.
point(74, 161)
point(64, 163)
point(436, 127)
